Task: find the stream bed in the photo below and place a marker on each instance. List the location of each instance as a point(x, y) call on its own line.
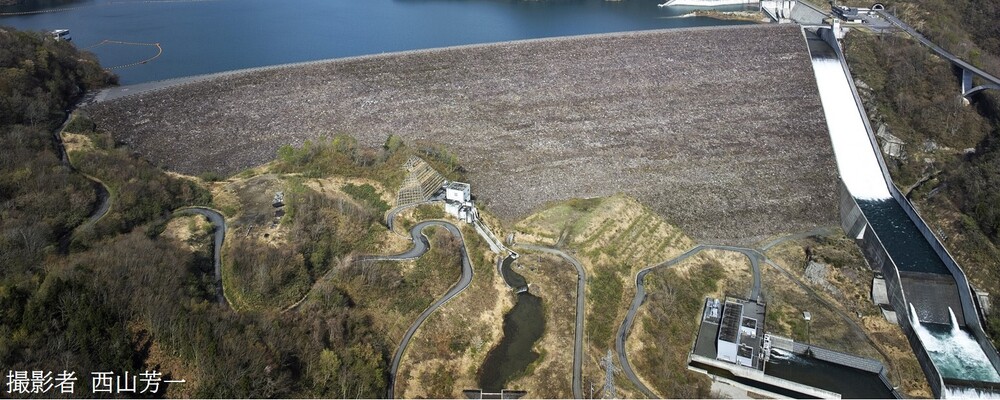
point(522, 327)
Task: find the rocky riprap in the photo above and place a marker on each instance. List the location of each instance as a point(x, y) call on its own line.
point(720, 130)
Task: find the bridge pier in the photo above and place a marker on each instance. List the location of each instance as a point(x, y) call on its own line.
point(967, 85)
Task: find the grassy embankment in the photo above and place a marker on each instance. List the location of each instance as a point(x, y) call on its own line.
point(667, 324)
point(334, 214)
point(335, 193)
point(840, 277)
point(613, 238)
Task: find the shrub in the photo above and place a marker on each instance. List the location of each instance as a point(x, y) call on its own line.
point(367, 195)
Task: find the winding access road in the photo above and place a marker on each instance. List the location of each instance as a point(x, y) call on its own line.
point(219, 222)
point(581, 287)
point(420, 246)
point(640, 296)
point(100, 189)
point(390, 216)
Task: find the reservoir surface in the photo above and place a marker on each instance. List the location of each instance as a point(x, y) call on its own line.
point(208, 36)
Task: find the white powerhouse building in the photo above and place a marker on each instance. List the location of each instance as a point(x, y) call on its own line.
point(458, 201)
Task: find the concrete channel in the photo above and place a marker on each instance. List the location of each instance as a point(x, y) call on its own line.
point(919, 272)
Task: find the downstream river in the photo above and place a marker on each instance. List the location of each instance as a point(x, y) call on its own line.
point(207, 36)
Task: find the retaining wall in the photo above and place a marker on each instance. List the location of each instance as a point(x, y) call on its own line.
point(969, 310)
point(872, 247)
point(864, 364)
point(759, 376)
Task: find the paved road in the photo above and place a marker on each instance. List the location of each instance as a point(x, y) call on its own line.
point(640, 296)
point(103, 201)
point(938, 49)
point(420, 246)
point(821, 231)
point(390, 216)
point(220, 235)
point(100, 190)
point(581, 287)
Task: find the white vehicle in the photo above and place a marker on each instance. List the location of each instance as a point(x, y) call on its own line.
point(61, 34)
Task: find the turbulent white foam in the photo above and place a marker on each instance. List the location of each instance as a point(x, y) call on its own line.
point(953, 392)
point(856, 159)
point(956, 353)
point(781, 354)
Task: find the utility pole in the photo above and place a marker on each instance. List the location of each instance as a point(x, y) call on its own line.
point(808, 317)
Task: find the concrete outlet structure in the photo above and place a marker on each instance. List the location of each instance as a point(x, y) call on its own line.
point(733, 348)
point(458, 201)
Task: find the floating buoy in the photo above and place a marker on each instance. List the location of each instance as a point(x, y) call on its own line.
point(159, 51)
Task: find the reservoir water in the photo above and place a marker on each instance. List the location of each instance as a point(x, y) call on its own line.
point(207, 36)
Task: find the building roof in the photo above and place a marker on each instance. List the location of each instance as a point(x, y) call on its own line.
point(458, 186)
point(729, 327)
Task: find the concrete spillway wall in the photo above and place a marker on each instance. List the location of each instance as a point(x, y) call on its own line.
point(864, 364)
point(856, 225)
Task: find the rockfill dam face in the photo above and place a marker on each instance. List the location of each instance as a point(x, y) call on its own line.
point(718, 129)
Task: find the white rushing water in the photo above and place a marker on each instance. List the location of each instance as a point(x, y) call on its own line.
point(955, 353)
point(953, 392)
point(780, 354)
point(856, 159)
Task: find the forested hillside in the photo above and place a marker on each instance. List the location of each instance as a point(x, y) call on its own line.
point(116, 294)
point(950, 168)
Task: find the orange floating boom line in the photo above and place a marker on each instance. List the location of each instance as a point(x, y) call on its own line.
point(159, 51)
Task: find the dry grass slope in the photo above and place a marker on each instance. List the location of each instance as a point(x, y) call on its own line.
point(720, 129)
